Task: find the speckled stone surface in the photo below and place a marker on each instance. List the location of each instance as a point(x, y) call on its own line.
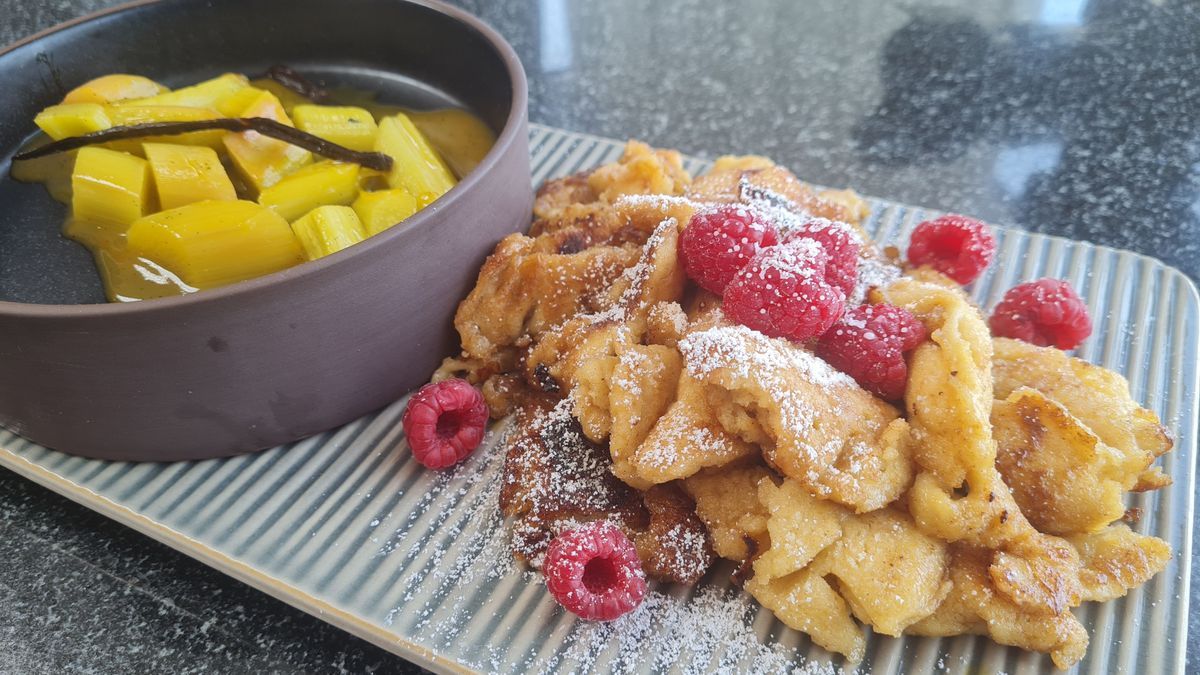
point(1063, 116)
point(82, 594)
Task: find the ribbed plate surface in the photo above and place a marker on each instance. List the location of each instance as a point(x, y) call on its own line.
point(347, 527)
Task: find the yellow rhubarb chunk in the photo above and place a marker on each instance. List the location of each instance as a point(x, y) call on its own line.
point(54, 171)
point(118, 87)
point(109, 188)
point(206, 94)
point(347, 126)
point(290, 98)
point(380, 210)
point(72, 119)
point(213, 243)
point(262, 161)
point(184, 174)
point(123, 114)
point(328, 229)
point(416, 166)
point(319, 184)
point(239, 104)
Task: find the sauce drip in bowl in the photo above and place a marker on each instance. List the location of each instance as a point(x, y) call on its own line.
point(462, 138)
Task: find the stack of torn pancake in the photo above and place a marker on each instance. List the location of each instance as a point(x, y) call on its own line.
point(990, 503)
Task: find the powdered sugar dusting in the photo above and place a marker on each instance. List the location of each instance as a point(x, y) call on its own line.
point(664, 204)
point(824, 224)
point(682, 437)
point(640, 272)
point(712, 631)
point(575, 468)
point(785, 219)
point(634, 362)
point(557, 479)
point(635, 275)
point(749, 358)
point(776, 210)
point(873, 272)
point(682, 544)
point(782, 212)
point(470, 548)
point(747, 353)
point(786, 215)
point(597, 271)
point(796, 259)
point(661, 202)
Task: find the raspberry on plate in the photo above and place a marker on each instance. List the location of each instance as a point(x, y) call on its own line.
point(594, 571)
point(444, 422)
point(716, 244)
point(957, 246)
point(841, 244)
point(869, 343)
point(783, 292)
point(1043, 312)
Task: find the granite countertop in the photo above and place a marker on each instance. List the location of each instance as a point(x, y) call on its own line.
point(1064, 116)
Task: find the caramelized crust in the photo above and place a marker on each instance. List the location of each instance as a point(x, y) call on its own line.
point(523, 292)
point(1062, 475)
point(1117, 559)
point(1097, 397)
point(641, 170)
point(554, 479)
point(582, 353)
point(676, 546)
point(554, 195)
point(959, 495)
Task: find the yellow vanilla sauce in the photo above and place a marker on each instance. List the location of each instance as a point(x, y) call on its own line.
point(461, 138)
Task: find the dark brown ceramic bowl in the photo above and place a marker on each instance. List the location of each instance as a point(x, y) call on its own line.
point(281, 357)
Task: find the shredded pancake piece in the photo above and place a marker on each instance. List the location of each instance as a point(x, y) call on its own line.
point(815, 424)
point(1096, 396)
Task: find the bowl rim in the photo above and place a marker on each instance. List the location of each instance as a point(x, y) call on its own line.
point(513, 126)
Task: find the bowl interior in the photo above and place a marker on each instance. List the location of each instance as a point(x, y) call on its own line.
point(409, 54)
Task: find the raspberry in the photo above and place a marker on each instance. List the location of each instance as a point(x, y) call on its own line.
point(895, 323)
point(444, 422)
point(840, 243)
point(594, 571)
point(716, 244)
point(957, 246)
point(1044, 312)
point(782, 292)
point(868, 344)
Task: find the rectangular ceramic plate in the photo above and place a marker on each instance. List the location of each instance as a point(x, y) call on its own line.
point(346, 526)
